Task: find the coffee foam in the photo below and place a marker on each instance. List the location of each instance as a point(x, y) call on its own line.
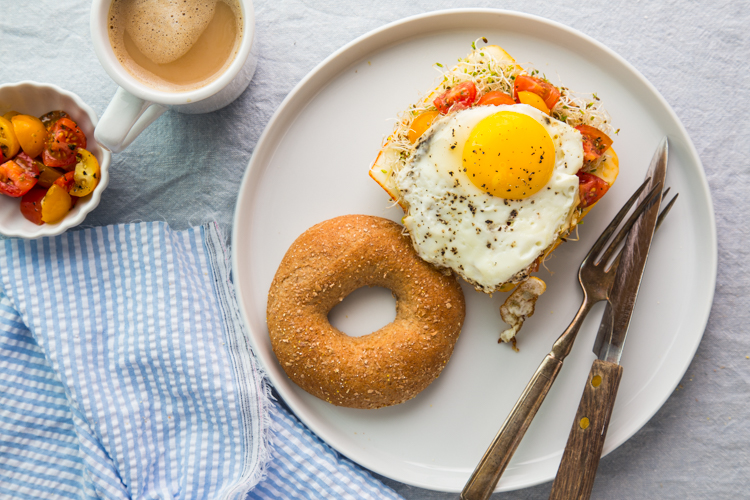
point(164, 30)
point(161, 76)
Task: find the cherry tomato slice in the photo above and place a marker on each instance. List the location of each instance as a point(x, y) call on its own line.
point(8, 140)
point(68, 183)
point(459, 97)
point(48, 175)
point(30, 133)
point(55, 204)
point(590, 188)
point(62, 142)
point(18, 176)
point(543, 89)
point(595, 142)
point(33, 165)
point(67, 131)
point(533, 100)
point(31, 205)
point(58, 154)
point(495, 98)
point(49, 119)
point(420, 125)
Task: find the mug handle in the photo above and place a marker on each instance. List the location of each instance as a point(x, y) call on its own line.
point(125, 118)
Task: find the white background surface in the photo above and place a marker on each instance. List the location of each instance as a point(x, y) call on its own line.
point(186, 170)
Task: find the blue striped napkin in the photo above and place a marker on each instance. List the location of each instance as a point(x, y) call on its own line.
point(125, 372)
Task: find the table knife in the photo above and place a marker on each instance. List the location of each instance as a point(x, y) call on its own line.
point(575, 476)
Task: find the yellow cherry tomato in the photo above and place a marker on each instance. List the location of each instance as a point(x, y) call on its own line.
point(30, 133)
point(55, 204)
point(10, 114)
point(607, 170)
point(8, 140)
point(609, 167)
point(532, 99)
point(420, 124)
point(87, 173)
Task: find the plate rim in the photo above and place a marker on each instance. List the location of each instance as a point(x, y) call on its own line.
point(339, 61)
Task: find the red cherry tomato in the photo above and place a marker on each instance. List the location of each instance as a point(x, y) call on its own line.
point(58, 154)
point(595, 142)
point(67, 182)
point(548, 92)
point(62, 142)
point(459, 97)
point(591, 188)
point(67, 131)
point(31, 205)
point(495, 98)
point(29, 163)
point(17, 176)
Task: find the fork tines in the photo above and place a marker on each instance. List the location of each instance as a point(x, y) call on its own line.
point(617, 240)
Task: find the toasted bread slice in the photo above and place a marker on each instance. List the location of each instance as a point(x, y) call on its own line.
point(397, 145)
point(492, 69)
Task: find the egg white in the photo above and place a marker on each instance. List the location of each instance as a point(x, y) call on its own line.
point(485, 239)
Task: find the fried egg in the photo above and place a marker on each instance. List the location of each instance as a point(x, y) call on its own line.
point(489, 189)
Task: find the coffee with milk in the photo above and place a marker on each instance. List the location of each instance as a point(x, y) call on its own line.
point(175, 45)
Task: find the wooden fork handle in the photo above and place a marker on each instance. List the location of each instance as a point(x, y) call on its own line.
point(575, 476)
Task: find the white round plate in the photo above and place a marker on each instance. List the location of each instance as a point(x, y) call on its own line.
point(311, 165)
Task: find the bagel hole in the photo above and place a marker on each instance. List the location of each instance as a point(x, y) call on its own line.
point(364, 311)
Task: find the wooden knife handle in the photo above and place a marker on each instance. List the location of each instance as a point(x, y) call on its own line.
point(575, 476)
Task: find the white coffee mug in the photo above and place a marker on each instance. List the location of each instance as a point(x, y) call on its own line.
point(136, 105)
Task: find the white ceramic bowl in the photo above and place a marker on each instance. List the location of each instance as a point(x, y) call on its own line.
point(35, 99)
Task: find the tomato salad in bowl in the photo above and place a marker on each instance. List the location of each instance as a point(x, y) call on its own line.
point(51, 175)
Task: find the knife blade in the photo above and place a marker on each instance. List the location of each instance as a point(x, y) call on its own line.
point(575, 476)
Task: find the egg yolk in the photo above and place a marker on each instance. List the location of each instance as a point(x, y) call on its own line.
point(509, 155)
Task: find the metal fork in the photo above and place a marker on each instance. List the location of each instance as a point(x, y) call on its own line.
point(596, 278)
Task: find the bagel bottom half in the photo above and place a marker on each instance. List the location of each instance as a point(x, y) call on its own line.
point(387, 367)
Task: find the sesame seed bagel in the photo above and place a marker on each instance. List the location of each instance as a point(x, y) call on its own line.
point(389, 366)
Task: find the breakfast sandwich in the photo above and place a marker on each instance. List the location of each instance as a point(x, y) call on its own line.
point(494, 169)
